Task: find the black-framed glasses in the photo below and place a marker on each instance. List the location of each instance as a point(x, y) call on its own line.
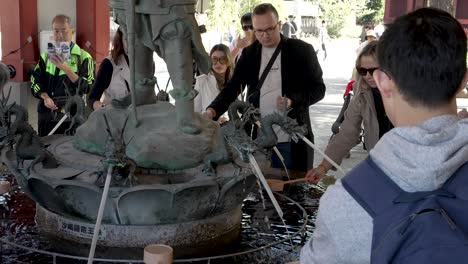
point(247, 27)
point(364, 71)
point(269, 31)
point(222, 60)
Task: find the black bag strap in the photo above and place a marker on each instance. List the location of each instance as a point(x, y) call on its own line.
point(256, 94)
point(458, 183)
point(268, 67)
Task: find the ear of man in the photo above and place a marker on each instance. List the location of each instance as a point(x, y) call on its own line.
point(385, 84)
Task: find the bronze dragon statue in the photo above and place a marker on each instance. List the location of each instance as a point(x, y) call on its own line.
point(233, 138)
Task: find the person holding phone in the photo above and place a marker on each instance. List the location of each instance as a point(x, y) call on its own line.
point(53, 74)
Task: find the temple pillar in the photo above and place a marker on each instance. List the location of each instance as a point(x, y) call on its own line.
point(18, 26)
point(93, 27)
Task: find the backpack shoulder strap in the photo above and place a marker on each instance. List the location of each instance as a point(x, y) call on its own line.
point(458, 182)
point(371, 187)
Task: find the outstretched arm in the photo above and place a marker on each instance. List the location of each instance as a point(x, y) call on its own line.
point(38, 84)
point(103, 79)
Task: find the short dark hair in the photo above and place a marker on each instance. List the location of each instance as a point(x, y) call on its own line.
point(246, 18)
point(424, 52)
point(264, 8)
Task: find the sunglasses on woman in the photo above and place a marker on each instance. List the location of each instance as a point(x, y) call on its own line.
point(222, 60)
point(247, 27)
point(364, 71)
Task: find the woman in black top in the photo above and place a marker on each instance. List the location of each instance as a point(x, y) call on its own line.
point(113, 76)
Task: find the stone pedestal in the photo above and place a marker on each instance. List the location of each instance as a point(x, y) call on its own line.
point(217, 230)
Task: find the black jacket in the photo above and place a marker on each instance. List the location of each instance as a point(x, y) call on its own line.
point(46, 77)
point(301, 77)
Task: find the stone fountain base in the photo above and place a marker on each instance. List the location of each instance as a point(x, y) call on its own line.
point(219, 230)
point(184, 208)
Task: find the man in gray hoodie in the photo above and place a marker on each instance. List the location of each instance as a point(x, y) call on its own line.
point(422, 58)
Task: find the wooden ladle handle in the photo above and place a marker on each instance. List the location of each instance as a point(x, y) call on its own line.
point(304, 179)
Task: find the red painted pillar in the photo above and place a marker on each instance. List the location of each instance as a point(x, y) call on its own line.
point(461, 13)
point(18, 22)
point(93, 26)
point(396, 8)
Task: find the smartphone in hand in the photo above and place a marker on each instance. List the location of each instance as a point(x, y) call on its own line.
point(60, 48)
point(50, 50)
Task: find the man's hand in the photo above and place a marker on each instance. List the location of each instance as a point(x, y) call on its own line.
point(62, 64)
point(209, 113)
point(98, 105)
point(316, 174)
point(283, 103)
point(222, 120)
point(243, 42)
point(58, 61)
point(48, 102)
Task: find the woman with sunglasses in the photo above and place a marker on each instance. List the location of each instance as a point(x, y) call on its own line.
point(237, 45)
point(365, 109)
point(209, 85)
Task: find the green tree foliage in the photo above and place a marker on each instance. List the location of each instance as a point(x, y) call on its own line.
point(222, 12)
point(373, 12)
point(248, 5)
point(335, 13)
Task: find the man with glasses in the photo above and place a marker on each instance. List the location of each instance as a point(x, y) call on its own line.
point(239, 43)
point(54, 73)
point(293, 82)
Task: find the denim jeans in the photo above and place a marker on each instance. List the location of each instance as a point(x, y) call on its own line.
point(295, 156)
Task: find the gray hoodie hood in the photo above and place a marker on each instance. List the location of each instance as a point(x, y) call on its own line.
point(423, 157)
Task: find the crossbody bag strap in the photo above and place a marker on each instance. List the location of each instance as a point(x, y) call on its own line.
point(268, 67)
point(252, 98)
